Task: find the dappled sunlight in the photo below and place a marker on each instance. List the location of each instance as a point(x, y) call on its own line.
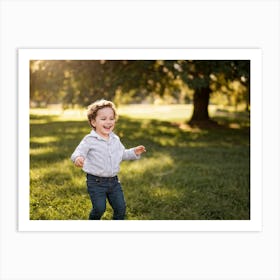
point(54, 189)
point(44, 139)
point(55, 172)
point(43, 115)
point(157, 165)
point(162, 192)
point(178, 112)
point(235, 125)
point(41, 119)
point(161, 133)
point(186, 173)
point(42, 151)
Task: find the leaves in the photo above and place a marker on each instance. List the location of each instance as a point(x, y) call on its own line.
point(83, 81)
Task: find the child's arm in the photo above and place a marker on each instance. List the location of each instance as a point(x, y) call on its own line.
point(79, 155)
point(133, 153)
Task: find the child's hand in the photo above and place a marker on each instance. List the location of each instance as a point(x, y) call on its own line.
point(79, 161)
point(139, 150)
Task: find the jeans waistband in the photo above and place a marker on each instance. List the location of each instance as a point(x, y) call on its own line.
point(102, 178)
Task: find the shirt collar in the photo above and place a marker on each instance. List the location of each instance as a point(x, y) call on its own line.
point(96, 135)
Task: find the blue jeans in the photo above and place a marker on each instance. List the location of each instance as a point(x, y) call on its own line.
point(100, 189)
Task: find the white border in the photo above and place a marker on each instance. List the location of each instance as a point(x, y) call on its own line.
point(254, 55)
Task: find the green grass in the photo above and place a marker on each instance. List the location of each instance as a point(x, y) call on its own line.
point(186, 174)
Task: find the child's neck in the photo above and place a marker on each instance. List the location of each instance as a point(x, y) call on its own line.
point(105, 137)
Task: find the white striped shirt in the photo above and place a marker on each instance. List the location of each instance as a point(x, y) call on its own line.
point(102, 157)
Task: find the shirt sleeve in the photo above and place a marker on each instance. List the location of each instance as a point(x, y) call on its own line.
point(81, 150)
point(129, 154)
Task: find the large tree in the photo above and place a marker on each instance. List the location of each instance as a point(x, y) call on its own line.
point(201, 74)
point(81, 81)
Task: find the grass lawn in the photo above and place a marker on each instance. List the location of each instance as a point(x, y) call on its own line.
point(186, 174)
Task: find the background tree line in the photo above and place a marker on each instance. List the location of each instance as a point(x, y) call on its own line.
point(80, 82)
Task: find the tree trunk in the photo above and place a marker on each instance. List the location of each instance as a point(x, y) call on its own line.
point(200, 106)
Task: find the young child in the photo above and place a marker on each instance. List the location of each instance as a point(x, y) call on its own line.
point(100, 154)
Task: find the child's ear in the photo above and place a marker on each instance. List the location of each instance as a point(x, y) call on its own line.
point(92, 123)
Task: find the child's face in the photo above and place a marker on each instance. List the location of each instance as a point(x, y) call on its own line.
point(104, 122)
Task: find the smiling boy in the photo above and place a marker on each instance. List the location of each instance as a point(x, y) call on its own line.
point(99, 154)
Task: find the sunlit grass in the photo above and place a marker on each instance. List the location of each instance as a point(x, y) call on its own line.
point(46, 139)
point(186, 173)
point(159, 112)
point(41, 151)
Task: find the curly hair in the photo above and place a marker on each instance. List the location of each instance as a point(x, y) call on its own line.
point(96, 106)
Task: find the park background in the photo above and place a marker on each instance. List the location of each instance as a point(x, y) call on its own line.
point(148, 255)
point(193, 116)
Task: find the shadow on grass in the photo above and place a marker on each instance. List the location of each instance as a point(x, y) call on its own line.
point(186, 174)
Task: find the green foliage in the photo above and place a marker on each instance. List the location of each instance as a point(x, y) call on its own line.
point(82, 81)
point(186, 174)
